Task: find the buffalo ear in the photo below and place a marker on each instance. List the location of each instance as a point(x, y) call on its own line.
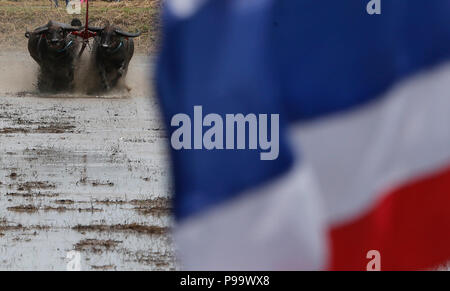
point(27, 34)
point(127, 34)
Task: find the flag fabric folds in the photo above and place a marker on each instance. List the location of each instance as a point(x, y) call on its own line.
point(364, 136)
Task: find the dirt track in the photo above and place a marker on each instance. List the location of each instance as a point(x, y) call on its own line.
point(84, 173)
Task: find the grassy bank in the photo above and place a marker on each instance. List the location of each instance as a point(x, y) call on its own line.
point(130, 15)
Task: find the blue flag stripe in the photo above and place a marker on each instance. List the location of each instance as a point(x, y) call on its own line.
point(299, 59)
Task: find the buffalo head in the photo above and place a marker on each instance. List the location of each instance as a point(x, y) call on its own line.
point(55, 34)
point(110, 36)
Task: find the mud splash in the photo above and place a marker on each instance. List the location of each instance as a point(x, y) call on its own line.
point(18, 76)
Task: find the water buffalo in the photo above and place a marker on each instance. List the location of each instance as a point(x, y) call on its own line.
point(112, 52)
point(54, 49)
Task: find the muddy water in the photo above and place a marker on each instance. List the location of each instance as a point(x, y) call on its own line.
point(83, 173)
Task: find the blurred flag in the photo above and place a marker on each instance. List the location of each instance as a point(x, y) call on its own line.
point(364, 103)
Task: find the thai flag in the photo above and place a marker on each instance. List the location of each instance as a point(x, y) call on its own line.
point(364, 152)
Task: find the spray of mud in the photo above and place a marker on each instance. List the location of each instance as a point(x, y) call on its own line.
point(18, 76)
point(87, 80)
point(18, 72)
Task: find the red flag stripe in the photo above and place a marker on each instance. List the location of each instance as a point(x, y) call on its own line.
point(410, 227)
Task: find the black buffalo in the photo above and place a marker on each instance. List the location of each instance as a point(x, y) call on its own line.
point(54, 49)
point(112, 52)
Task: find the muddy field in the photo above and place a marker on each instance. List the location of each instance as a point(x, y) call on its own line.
point(82, 173)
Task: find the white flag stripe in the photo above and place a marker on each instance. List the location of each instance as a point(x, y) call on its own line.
point(275, 227)
point(358, 155)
